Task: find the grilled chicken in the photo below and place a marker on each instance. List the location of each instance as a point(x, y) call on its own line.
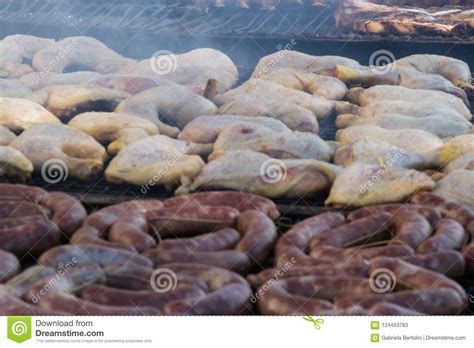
point(174, 103)
point(465, 161)
point(132, 84)
point(435, 83)
point(205, 129)
point(457, 186)
point(13, 89)
point(453, 69)
point(15, 49)
point(6, 136)
point(410, 140)
point(284, 145)
point(117, 129)
point(14, 165)
point(193, 69)
point(300, 61)
point(319, 106)
point(365, 97)
point(376, 152)
point(322, 86)
point(414, 109)
point(19, 114)
point(79, 51)
point(361, 184)
point(67, 101)
point(437, 124)
point(453, 149)
point(255, 172)
point(41, 79)
point(154, 160)
point(61, 148)
point(292, 115)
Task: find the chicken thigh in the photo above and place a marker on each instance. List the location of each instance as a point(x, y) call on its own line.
point(19, 114)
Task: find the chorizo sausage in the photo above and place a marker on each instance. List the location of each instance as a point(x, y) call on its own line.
point(16, 192)
point(432, 215)
point(15, 209)
point(9, 266)
point(238, 200)
point(448, 235)
point(450, 263)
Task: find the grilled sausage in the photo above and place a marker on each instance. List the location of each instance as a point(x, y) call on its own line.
point(9, 266)
point(448, 235)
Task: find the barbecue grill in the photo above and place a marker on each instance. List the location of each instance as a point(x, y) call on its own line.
point(139, 28)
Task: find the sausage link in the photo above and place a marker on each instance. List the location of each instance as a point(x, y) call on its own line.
point(331, 254)
point(11, 305)
point(450, 263)
point(19, 285)
point(442, 301)
point(224, 239)
point(90, 254)
point(16, 192)
point(294, 243)
point(132, 230)
point(9, 266)
point(388, 308)
point(68, 212)
point(448, 235)
point(410, 228)
point(32, 235)
point(238, 200)
point(16, 209)
point(432, 215)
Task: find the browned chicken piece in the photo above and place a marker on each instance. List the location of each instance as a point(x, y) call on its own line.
point(284, 145)
point(41, 79)
point(117, 130)
point(6, 136)
point(437, 124)
point(365, 97)
point(154, 160)
point(376, 152)
point(457, 186)
point(361, 184)
point(465, 162)
point(205, 129)
point(13, 89)
point(300, 61)
point(19, 114)
point(67, 101)
point(411, 140)
point(15, 49)
point(79, 51)
point(412, 109)
point(193, 69)
point(174, 103)
point(59, 147)
point(292, 115)
point(323, 86)
point(14, 165)
point(319, 106)
point(255, 172)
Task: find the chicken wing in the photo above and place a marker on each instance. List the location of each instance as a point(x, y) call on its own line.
point(154, 160)
point(255, 172)
point(117, 129)
point(361, 184)
point(77, 153)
